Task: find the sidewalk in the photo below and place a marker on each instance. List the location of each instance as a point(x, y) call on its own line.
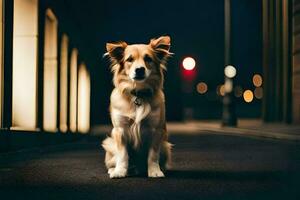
point(246, 127)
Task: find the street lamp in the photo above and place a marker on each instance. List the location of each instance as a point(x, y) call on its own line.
point(229, 112)
point(188, 63)
point(230, 71)
point(188, 73)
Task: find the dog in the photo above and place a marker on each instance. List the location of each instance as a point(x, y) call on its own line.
point(138, 143)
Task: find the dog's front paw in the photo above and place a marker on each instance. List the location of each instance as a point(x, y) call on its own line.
point(155, 172)
point(110, 170)
point(118, 173)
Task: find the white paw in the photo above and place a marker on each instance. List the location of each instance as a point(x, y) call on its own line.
point(155, 172)
point(117, 173)
point(110, 170)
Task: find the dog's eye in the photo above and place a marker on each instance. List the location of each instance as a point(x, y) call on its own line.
point(147, 58)
point(129, 59)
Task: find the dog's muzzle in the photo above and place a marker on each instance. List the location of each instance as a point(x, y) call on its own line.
point(139, 73)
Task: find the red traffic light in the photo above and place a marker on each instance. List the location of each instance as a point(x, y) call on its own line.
point(189, 63)
point(188, 69)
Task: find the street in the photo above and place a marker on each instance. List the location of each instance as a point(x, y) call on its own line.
point(205, 166)
point(222, 76)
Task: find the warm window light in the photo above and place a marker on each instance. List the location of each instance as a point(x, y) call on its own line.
point(73, 90)
point(201, 87)
point(258, 93)
point(248, 96)
point(25, 35)
point(257, 80)
point(63, 83)
point(50, 73)
point(189, 63)
point(83, 99)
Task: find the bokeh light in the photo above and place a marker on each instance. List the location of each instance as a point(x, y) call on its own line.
point(221, 90)
point(248, 96)
point(189, 63)
point(257, 80)
point(201, 87)
point(238, 91)
point(258, 93)
point(230, 71)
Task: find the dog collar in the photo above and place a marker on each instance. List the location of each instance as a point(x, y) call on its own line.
point(138, 101)
point(140, 95)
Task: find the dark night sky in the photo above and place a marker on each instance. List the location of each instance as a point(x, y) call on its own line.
point(196, 28)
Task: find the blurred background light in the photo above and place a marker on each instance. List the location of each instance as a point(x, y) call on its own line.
point(24, 83)
point(258, 93)
point(228, 86)
point(50, 73)
point(221, 90)
point(201, 87)
point(257, 80)
point(73, 90)
point(238, 91)
point(230, 71)
point(248, 96)
point(84, 91)
point(189, 63)
point(64, 83)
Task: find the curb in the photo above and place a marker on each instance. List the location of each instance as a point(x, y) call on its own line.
point(253, 133)
point(192, 128)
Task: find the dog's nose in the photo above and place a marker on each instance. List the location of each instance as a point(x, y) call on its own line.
point(140, 72)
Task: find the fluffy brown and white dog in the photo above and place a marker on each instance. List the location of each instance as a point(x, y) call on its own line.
point(138, 141)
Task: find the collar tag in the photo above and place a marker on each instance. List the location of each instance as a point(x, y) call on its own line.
point(138, 101)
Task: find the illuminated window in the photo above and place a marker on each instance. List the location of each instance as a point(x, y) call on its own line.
point(1, 63)
point(63, 83)
point(50, 72)
point(25, 36)
point(73, 90)
point(83, 99)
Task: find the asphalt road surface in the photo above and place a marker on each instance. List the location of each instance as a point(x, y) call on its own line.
point(205, 166)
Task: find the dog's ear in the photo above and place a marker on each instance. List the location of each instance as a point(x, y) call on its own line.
point(116, 50)
point(161, 47)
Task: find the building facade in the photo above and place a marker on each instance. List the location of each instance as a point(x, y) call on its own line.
point(281, 61)
point(44, 76)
